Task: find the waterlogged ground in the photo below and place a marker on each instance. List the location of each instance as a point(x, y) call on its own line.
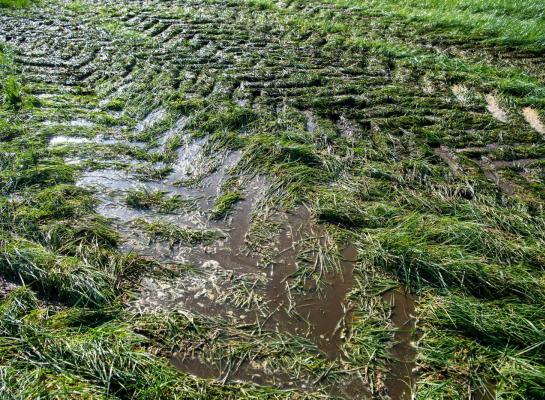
point(267, 199)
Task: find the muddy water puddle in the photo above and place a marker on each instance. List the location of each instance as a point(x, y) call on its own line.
point(233, 284)
point(310, 290)
point(316, 310)
point(401, 379)
point(299, 288)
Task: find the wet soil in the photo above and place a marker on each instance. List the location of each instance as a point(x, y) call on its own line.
point(7, 286)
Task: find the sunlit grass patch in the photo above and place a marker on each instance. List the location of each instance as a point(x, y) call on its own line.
point(14, 3)
point(496, 323)
point(11, 92)
point(452, 364)
point(420, 263)
point(228, 116)
point(68, 278)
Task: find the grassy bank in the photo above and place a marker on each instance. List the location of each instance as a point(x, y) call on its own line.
point(506, 23)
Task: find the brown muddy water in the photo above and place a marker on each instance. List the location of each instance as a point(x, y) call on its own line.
point(299, 288)
point(402, 377)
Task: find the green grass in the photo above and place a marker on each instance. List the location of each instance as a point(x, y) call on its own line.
point(421, 262)
point(510, 23)
point(222, 117)
point(56, 276)
point(11, 91)
point(62, 354)
point(10, 88)
point(455, 366)
point(14, 3)
point(400, 27)
point(157, 200)
point(342, 106)
point(496, 322)
point(224, 204)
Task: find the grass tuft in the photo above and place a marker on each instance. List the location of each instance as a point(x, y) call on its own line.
point(175, 234)
point(224, 204)
point(157, 200)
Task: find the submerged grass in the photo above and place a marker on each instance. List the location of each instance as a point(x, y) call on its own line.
point(175, 234)
point(107, 360)
point(158, 200)
point(193, 336)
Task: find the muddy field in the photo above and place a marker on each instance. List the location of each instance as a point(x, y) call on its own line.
point(259, 199)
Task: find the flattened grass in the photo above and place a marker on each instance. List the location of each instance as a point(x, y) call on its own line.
point(157, 200)
point(69, 354)
point(498, 323)
point(68, 278)
point(175, 234)
point(228, 347)
point(455, 366)
point(224, 204)
point(474, 251)
point(402, 25)
point(500, 22)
